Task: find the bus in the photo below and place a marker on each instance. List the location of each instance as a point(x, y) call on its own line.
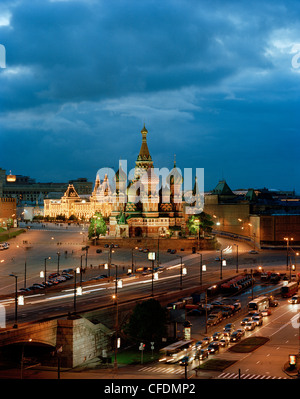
point(289, 290)
point(176, 351)
point(258, 304)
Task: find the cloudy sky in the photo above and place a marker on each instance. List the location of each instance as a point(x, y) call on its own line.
point(216, 82)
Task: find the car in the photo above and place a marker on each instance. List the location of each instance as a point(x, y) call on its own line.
point(61, 278)
point(273, 303)
point(98, 251)
point(266, 312)
point(253, 252)
point(106, 245)
point(169, 250)
point(202, 354)
point(201, 344)
point(224, 342)
point(186, 360)
point(235, 336)
point(117, 246)
point(52, 275)
point(208, 340)
point(37, 286)
point(67, 271)
point(229, 327)
point(173, 251)
point(250, 326)
point(217, 336)
point(213, 347)
point(245, 321)
point(22, 290)
point(295, 299)
point(241, 331)
point(217, 258)
point(257, 320)
point(68, 276)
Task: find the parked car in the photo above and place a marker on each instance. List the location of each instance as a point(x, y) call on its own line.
point(250, 326)
point(99, 251)
point(213, 347)
point(253, 252)
point(173, 251)
point(67, 271)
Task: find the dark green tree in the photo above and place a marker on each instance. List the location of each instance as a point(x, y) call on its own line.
point(200, 222)
point(97, 226)
point(147, 322)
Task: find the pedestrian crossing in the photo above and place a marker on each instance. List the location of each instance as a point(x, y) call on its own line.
point(163, 370)
point(246, 376)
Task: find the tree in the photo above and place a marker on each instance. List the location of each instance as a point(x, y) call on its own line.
point(147, 322)
point(199, 222)
point(97, 226)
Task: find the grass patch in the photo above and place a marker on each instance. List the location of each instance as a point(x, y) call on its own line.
point(248, 344)
point(215, 364)
point(134, 357)
point(7, 234)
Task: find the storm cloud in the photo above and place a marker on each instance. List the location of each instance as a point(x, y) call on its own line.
point(212, 80)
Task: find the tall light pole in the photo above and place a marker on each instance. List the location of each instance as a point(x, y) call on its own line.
point(178, 256)
point(45, 274)
point(200, 268)
point(237, 257)
point(58, 256)
point(16, 301)
point(25, 265)
point(117, 284)
point(287, 239)
point(221, 265)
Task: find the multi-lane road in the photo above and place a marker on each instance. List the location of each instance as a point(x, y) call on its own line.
point(43, 242)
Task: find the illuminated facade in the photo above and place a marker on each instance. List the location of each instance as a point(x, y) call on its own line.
point(134, 208)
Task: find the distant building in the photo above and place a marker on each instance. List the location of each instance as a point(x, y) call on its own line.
point(264, 216)
point(8, 212)
point(26, 190)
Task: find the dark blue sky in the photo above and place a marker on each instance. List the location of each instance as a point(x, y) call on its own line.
point(216, 82)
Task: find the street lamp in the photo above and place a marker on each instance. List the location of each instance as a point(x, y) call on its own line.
point(16, 301)
point(202, 268)
point(151, 257)
point(132, 262)
point(79, 292)
point(237, 257)
point(58, 256)
point(25, 265)
point(287, 239)
point(45, 266)
point(183, 270)
point(118, 284)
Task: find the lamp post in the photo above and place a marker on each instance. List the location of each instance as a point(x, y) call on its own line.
point(201, 268)
point(287, 239)
point(45, 274)
point(117, 284)
point(237, 257)
point(77, 271)
point(178, 256)
point(58, 256)
point(25, 265)
point(132, 262)
point(16, 301)
point(221, 265)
